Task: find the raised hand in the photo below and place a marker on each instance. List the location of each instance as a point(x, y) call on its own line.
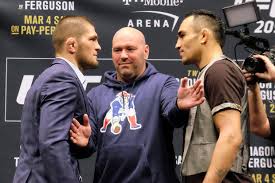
point(189, 97)
point(249, 77)
point(269, 74)
point(80, 134)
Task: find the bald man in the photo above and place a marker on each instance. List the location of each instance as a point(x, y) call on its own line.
point(47, 155)
point(136, 110)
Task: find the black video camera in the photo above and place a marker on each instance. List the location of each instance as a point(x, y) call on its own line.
point(242, 15)
point(254, 65)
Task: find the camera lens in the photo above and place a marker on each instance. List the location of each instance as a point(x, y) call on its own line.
point(250, 64)
point(254, 65)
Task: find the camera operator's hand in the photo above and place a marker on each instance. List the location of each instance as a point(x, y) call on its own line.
point(248, 75)
point(269, 74)
point(250, 78)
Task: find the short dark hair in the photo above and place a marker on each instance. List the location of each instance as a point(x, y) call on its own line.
point(69, 26)
point(211, 21)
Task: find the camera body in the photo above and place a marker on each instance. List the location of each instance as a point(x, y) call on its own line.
point(242, 15)
point(254, 65)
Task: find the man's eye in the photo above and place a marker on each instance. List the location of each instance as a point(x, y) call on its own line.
point(93, 38)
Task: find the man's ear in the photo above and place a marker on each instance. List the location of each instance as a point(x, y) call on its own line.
point(205, 33)
point(71, 45)
point(146, 51)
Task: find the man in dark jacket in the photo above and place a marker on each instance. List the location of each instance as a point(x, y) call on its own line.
point(47, 154)
point(136, 110)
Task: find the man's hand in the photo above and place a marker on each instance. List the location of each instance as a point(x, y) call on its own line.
point(189, 97)
point(269, 74)
point(250, 78)
point(80, 134)
point(248, 75)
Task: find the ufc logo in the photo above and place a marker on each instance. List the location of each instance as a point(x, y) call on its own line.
point(262, 4)
point(27, 81)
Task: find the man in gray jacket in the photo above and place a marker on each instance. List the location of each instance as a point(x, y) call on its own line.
point(215, 147)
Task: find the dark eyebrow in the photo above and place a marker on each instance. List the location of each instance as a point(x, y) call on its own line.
point(94, 37)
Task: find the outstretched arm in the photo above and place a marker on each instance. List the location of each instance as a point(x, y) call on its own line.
point(177, 100)
point(189, 97)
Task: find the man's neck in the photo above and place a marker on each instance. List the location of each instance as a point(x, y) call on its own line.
point(70, 59)
point(210, 56)
point(126, 81)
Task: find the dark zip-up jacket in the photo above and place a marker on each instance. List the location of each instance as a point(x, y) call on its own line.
point(134, 128)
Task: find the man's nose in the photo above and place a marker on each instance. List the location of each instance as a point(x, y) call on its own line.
point(124, 54)
point(98, 47)
point(177, 46)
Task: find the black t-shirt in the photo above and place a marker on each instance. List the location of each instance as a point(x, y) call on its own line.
point(224, 84)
